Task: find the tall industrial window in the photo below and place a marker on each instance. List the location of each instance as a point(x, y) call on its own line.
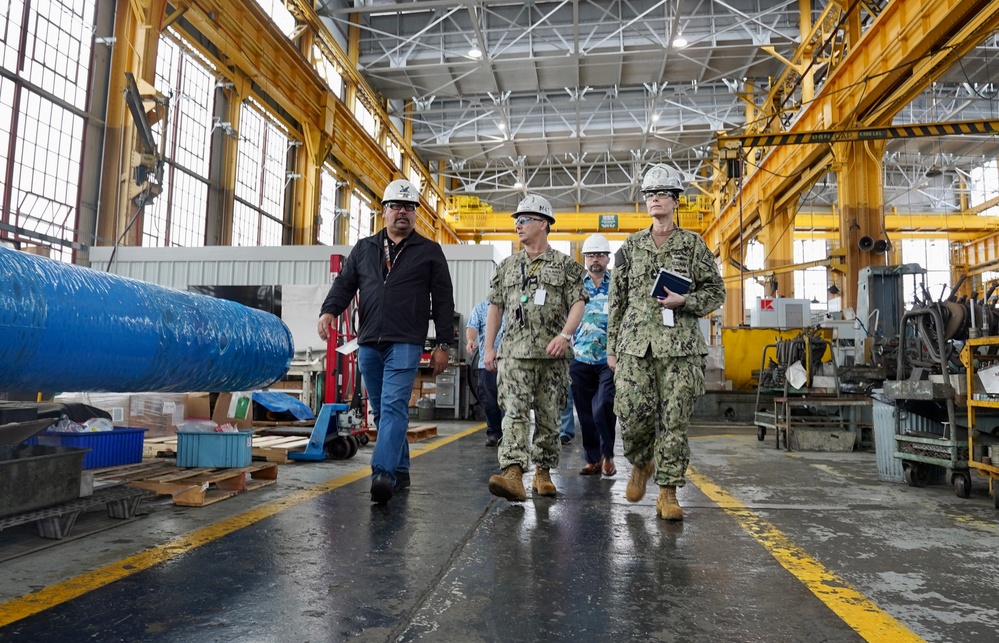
point(934, 256)
point(40, 181)
point(329, 204)
point(984, 185)
point(752, 288)
point(394, 151)
point(811, 283)
point(329, 71)
point(360, 219)
point(279, 14)
point(258, 213)
point(178, 215)
point(366, 118)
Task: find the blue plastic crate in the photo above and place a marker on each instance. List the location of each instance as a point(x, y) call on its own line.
point(123, 445)
point(214, 450)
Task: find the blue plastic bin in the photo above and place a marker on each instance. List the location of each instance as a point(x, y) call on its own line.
point(214, 450)
point(123, 445)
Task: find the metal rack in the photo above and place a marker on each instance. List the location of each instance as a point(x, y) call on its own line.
point(976, 352)
point(917, 449)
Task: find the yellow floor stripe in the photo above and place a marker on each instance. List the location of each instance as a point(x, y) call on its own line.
point(25, 606)
point(859, 612)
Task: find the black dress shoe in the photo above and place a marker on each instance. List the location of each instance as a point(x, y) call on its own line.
point(492, 441)
point(564, 439)
point(402, 481)
point(381, 488)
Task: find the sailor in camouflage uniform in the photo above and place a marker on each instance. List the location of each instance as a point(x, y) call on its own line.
point(655, 345)
point(539, 294)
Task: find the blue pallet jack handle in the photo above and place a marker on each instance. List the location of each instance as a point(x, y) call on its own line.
point(315, 451)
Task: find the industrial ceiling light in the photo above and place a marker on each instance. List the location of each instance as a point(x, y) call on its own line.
point(934, 171)
point(679, 42)
point(474, 53)
point(519, 185)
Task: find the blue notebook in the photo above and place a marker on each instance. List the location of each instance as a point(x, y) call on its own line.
point(675, 282)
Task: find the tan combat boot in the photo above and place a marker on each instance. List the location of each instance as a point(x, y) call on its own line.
point(667, 506)
point(510, 485)
point(636, 484)
point(543, 485)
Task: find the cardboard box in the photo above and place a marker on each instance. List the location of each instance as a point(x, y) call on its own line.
point(198, 406)
point(235, 409)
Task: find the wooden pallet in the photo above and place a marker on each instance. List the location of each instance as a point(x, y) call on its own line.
point(192, 487)
point(272, 448)
point(414, 434)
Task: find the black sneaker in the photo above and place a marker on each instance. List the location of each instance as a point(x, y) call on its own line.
point(564, 439)
point(492, 441)
point(381, 488)
point(402, 480)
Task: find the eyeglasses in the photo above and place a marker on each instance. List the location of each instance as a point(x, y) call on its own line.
point(662, 194)
point(525, 220)
point(408, 207)
point(592, 255)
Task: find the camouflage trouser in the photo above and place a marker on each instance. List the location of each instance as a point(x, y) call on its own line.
point(655, 399)
point(525, 384)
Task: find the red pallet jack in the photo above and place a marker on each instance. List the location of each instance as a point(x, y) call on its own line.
point(341, 428)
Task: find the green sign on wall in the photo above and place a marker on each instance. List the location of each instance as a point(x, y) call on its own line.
point(608, 222)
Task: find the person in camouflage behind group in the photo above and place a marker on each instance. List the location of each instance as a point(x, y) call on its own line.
point(538, 293)
point(655, 345)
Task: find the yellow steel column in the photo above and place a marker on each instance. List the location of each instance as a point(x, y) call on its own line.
point(808, 78)
point(861, 207)
point(136, 39)
point(778, 244)
point(734, 308)
point(230, 152)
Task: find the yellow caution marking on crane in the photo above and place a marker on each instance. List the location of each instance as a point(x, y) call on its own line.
point(45, 598)
point(856, 610)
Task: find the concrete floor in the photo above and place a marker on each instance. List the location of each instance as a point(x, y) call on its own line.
point(776, 546)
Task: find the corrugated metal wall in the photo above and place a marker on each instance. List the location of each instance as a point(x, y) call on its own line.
point(471, 267)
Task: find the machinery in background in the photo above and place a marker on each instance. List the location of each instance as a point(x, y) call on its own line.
point(340, 427)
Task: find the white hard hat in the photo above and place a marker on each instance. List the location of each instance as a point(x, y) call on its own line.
point(661, 177)
point(401, 191)
point(534, 204)
point(596, 243)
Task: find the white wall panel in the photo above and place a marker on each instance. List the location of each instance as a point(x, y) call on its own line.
point(471, 267)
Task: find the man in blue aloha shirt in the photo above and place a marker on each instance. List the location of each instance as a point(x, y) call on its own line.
point(486, 390)
point(592, 379)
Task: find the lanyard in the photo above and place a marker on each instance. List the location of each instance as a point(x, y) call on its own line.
point(389, 263)
point(525, 278)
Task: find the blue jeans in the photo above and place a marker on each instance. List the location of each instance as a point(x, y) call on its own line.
point(388, 377)
point(568, 422)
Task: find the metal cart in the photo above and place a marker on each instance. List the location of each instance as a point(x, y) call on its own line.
point(918, 449)
point(976, 353)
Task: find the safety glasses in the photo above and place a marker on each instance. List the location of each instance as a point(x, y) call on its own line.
point(408, 207)
point(525, 220)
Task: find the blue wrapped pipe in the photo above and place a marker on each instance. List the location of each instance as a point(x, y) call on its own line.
point(67, 328)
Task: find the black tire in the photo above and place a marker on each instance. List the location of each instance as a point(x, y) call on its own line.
point(761, 433)
point(352, 442)
point(915, 475)
point(962, 485)
point(363, 439)
point(338, 448)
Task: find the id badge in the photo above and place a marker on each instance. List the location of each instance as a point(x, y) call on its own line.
point(667, 317)
point(539, 296)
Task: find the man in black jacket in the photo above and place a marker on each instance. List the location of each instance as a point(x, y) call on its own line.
point(403, 281)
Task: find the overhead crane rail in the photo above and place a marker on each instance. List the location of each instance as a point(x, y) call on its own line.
point(952, 128)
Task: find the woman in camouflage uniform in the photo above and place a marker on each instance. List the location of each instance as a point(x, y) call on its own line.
point(655, 345)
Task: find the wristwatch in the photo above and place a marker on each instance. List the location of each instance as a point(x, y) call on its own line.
point(566, 336)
